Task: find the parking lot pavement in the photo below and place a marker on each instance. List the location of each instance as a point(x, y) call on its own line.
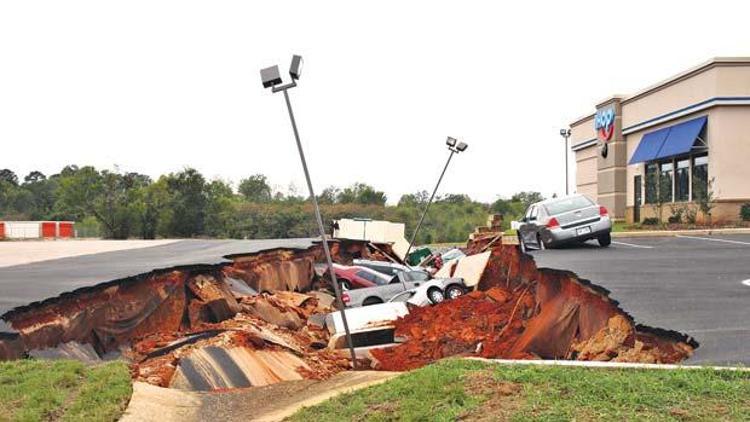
point(24, 284)
point(28, 251)
point(692, 284)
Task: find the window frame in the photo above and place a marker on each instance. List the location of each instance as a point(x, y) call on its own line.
point(656, 166)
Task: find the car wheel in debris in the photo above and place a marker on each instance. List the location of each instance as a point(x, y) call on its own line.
point(435, 295)
point(371, 301)
point(605, 240)
point(454, 291)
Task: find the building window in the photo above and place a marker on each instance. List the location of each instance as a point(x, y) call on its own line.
point(682, 181)
point(700, 176)
point(665, 181)
point(670, 181)
point(651, 180)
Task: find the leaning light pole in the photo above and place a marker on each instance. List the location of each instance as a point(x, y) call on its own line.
point(272, 79)
point(565, 133)
point(454, 147)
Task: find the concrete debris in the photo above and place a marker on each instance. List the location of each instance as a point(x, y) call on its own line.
point(72, 350)
point(217, 368)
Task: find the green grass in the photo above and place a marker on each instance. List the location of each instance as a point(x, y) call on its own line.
point(444, 391)
point(36, 390)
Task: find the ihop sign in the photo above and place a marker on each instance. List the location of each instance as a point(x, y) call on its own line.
point(604, 124)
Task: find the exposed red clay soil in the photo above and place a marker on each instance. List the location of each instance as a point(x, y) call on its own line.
point(521, 312)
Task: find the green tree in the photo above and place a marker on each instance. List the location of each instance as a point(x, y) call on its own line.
point(255, 188)
point(329, 195)
point(9, 176)
point(360, 193)
point(527, 198)
point(418, 199)
point(188, 203)
point(219, 209)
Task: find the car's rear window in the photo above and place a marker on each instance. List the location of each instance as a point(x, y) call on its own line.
point(567, 204)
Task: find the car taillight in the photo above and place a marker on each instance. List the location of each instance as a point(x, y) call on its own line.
point(603, 211)
point(553, 223)
point(345, 297)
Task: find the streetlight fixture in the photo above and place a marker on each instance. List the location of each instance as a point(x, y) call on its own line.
point(565, 133)
point(272, 79)
point(455, 147)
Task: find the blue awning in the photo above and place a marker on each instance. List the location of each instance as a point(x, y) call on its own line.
point(669, 141)
point(650, 145)
point(682, 137)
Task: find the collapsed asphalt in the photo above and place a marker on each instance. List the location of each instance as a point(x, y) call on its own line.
point(692, 285)
point(24, 284)
point(689, 284)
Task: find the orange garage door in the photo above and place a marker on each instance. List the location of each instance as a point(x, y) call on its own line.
point(49, 229)
point(66, 230)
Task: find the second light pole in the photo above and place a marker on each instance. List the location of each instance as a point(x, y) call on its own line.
point(565, 133)
point(455, 147)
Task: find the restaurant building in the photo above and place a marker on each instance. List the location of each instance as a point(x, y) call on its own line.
point(670, 146)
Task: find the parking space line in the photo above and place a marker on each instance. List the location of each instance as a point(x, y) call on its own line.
point(736, 242)
point(633, 245)
point(746, 282)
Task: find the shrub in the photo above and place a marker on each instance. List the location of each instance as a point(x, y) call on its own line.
point(677, 213)
point(745, 211)
point(651, 221)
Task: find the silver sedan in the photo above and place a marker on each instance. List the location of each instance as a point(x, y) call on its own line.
point(559, 221)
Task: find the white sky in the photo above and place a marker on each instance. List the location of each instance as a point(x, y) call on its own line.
point(153, 86)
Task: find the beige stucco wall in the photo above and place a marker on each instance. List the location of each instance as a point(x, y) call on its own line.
point(682, 94)
point(729, 152)
point(719, 81)
point(586, 172)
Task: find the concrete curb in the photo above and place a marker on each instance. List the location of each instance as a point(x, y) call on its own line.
point(513, 240)
point(671, 233)
point(611, 365)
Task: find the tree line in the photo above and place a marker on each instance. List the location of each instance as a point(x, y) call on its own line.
point(184, 204)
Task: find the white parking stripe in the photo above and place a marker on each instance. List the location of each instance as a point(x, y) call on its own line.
point(746, 282)
point(736, 242)
point(633, 245)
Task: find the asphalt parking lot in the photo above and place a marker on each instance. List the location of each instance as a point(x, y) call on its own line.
point(692, 284)
point(27, 283)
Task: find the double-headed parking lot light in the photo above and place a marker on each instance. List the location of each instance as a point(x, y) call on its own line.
point(272, 79)
point(455, 147)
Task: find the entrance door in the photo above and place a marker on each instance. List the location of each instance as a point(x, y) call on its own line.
point(637, 192)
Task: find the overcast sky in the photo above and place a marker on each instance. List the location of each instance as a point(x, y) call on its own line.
point(155, 86)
